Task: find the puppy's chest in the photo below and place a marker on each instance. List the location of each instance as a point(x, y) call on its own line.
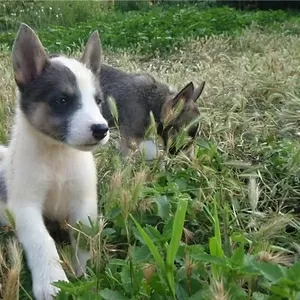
point(58, 198)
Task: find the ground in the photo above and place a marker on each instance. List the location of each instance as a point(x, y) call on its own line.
point(242, 188)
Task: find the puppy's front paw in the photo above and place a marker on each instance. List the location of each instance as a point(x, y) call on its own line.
point(44, 289)
point(79, 262)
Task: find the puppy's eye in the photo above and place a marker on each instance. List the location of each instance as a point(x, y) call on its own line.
point(98, 100)
point(61, 101)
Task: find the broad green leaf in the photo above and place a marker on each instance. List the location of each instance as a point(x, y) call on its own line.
point(259, 296)
point(153, 233)
point(200, 295)
point(249, 270)
point(237, 258)
point(138, 235)
point(141, 254)
point(88, 296)
point(126, 279)
point(194, 249)
point(62, 296)
point(293, 272)
point(282, 291)
point(181, 293)
point(113, 213)
point(163, 207)
point(138, 280)
point(107, 232)
point(159, 286)
point(108, 294)
point(209, 259)
point(270, 271)
point(236, 291)
point(181, 183)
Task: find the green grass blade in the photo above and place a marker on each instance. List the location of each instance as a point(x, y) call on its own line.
point(153, 249)
point(175, 240)
point(215, 243)
point(218, 240)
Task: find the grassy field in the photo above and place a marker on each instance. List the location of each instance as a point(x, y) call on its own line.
point(238, 198)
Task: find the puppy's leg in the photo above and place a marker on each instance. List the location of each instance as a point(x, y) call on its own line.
point(82, 209)
point(3, 217)
point(26, 202)
point(124, 146)
point(4, 221)
point(3, 152)
point(83, 205)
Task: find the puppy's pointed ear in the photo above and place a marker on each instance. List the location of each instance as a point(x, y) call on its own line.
point(28, 56)
point(91, 56)
point(185, 94)
point(198, 91)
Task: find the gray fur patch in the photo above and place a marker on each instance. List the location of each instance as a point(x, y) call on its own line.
point(51, 99)
point(3, 189)
point(135, 95)
point(138, 94)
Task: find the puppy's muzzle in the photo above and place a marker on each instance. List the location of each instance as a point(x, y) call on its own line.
point(99, 131)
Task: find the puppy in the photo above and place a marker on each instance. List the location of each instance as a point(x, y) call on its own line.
point(136, 95)
point(48, 169)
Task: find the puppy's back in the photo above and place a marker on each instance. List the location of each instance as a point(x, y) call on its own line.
point(135, 95)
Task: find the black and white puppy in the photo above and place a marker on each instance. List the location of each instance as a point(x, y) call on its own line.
point(48, 169)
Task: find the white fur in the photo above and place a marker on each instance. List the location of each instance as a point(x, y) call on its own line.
point(3, 151)
point(44, 176)
point(3, 216)
point(149, 150)
point(89, 114)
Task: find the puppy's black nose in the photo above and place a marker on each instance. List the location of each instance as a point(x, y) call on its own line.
point(99, 131)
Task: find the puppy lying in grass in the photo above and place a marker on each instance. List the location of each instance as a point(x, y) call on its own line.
point(135, 96)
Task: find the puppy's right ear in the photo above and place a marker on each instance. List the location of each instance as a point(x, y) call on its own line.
point(28, 56)
point(91, 56)
point(198, 91)
point(185, 94)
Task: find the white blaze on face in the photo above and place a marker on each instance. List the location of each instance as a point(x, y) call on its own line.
point(89, 113)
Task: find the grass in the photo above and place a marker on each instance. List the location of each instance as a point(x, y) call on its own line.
point(224, 225)
point(156, 31)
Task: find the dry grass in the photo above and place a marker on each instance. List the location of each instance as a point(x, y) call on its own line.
point(250, 99)
point(249, 110)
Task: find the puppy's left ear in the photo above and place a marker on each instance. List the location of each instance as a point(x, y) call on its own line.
point(91, 56)
point(198, 91)
point(29, 57)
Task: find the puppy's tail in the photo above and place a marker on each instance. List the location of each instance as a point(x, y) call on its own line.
point(3, 151)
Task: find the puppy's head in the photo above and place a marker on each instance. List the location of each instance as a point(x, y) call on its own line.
point(178, 112)
point(59, 96)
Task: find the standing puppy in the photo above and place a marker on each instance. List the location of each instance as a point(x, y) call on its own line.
point(48, 169)
point(136, 95)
